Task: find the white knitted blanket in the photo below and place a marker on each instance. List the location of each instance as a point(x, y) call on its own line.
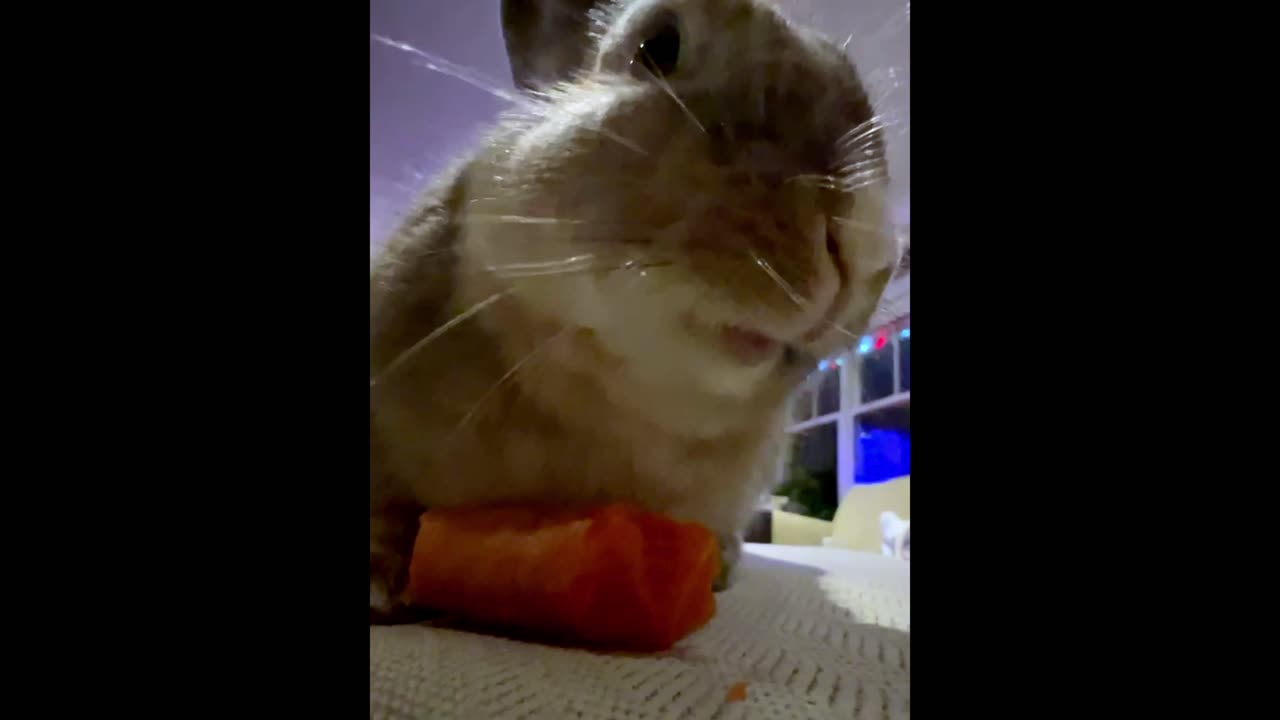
point(813, 632)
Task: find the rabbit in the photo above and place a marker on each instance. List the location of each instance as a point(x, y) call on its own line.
point(614, 295)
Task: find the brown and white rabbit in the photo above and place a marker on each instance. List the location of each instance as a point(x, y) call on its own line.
point(612, 298)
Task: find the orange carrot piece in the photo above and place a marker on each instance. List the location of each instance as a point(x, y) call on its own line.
point(615, 576)
point(737, 693)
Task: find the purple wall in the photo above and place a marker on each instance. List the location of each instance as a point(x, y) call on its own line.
point(420, 119)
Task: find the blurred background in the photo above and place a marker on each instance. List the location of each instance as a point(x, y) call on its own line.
point(852, 418)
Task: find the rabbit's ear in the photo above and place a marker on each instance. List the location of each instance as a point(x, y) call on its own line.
point(546, 40)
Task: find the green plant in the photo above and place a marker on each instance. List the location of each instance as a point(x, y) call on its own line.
point(807, 492)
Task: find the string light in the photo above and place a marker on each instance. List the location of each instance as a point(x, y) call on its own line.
point(880, 339)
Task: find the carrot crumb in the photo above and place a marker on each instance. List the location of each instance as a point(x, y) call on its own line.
point(737, 692)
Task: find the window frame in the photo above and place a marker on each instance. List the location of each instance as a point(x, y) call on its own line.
point(847, 363)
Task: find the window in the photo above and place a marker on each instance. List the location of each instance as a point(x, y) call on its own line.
point(810, 485)
point(875, 370)
point(882, 444)
point(870, 418)
point(904, 358)
point(829, 392)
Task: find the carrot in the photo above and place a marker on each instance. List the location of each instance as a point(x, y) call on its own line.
point(737, 693)
point(614, 576)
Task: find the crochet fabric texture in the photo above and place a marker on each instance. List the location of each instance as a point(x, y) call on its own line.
point(813, 633)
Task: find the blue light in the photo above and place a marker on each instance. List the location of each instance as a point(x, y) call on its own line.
point(864, 347)
point(822, 365)
point(905, 334)
point(840, 361)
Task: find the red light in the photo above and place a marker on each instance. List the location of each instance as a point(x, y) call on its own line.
point(880, 340)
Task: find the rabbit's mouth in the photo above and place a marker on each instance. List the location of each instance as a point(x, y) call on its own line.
point(752, 347)
point(745, 346)
point(749, 346)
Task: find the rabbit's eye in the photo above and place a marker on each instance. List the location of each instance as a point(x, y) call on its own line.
point(660, 52)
